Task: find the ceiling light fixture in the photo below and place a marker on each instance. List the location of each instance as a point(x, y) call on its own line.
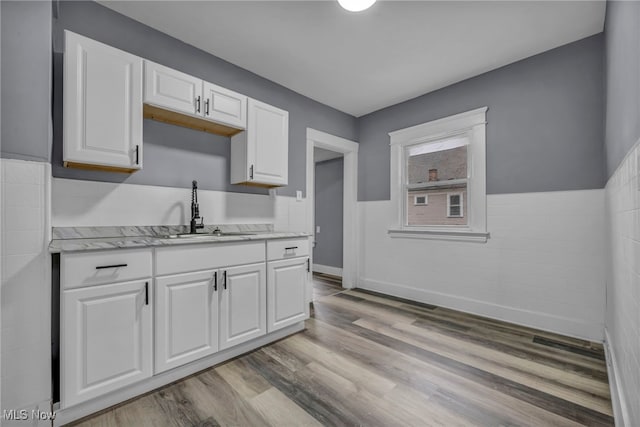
point(356, 5)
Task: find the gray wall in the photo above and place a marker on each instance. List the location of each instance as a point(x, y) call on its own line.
point(174, 156)
point(26, 80)
point(544, 131)
point(622, 87)
point(329, 185)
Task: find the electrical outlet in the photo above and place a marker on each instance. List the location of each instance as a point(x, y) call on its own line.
point(272, 193)
point(298, 195)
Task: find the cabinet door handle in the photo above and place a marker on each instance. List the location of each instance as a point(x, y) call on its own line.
point(215, 281)
point(308, 265)
point(206, 107)
point(146, 293)
point(290, 248)
point(137, 154)
point(224, 279)
point(251, 172)
point(198, 104)
point(100, 267)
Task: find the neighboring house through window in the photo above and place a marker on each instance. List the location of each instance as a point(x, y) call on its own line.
point(438, 178)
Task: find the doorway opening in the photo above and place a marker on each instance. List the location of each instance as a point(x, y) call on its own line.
point(332, 168)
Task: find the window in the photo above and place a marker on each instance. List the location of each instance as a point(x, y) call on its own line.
point(438, 178)
point(454, 205)
point(420, 200)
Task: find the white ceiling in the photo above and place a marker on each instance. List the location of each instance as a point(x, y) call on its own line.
point(361, 62)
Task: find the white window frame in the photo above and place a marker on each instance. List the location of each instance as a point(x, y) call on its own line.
point(426, 200)
point(470, 124)
point(461, 204)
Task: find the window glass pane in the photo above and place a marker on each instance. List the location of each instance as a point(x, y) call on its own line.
point(435, 170)
point(437, 211)
point(437, 161)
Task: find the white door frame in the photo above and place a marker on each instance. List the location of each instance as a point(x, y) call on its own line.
point(349, 148)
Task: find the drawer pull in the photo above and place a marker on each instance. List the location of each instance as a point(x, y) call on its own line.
point(146, 293)
point(291, 248)
point(100, 267)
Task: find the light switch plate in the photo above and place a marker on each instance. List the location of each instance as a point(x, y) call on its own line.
point(272, 193)
point(317, 228)
point(298, 195)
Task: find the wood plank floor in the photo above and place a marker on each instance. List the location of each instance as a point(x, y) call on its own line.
point(370, 360)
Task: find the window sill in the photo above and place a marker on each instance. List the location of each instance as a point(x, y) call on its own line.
point(454, 235)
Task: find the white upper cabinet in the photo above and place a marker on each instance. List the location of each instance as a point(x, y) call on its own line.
point(259, 156)
point(225, 106)
point(102, 106)
point(175, 91)
point(171, 89)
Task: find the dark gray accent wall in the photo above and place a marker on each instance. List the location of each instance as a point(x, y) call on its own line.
point(622, 70)
point(174, 156)
point(544, 131)
point(329, 187)
point(26, 80)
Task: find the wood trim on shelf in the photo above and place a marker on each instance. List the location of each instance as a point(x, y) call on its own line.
point(256, 184)
point(102, 168)
point(178, 119)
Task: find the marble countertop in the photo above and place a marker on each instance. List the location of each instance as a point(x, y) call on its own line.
point(73, 239)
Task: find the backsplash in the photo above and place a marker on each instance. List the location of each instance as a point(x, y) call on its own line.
point(77, 203)
point(25, 293)
point(623, 282)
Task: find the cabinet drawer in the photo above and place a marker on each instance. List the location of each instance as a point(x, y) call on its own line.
point(95, 268)
point(186, 258)
point(287, 248)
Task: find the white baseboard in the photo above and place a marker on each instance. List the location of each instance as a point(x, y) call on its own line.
point(66, 415)
point(556, 324)
point(325, 269)
point(618, 401)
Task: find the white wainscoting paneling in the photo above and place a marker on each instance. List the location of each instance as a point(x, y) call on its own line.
point(79, 203)
point(543, 265)
point(25, 376)
point(623, 288)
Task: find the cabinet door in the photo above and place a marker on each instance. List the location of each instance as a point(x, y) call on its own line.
point(267, 144)
point(106, 339)
point(225, 106)
point(171, 89)
point(242, 304)
point(102, 105)
point(286, 292)
point(186, 318)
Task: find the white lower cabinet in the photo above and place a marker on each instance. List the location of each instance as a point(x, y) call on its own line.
point(129, 314)
point(286, 295)
point(243, 304)
point(186, 318)
point(107, 339)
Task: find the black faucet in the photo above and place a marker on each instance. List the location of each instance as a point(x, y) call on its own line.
point(195, 210)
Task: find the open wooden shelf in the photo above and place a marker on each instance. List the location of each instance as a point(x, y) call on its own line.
point(178, 119)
